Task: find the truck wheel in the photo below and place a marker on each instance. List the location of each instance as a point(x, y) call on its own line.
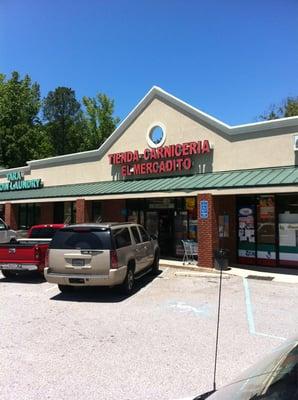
point(155, 265)
point(65, 288)
point(128, 284)
point(8, 274)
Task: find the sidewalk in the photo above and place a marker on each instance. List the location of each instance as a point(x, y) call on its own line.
point(285, 275)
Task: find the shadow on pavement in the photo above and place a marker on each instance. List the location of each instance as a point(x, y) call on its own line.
point(24, 277)
point(273, 270)
point(99, 294)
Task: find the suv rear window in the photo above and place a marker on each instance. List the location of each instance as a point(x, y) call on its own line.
point(94, 239)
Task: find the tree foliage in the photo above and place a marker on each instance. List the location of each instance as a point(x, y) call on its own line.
point(288, 108)
point(63, 115)
point(100, 120)
point(64, 128)
point(22, 137)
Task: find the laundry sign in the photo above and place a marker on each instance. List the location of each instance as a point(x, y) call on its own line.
point(16, 181)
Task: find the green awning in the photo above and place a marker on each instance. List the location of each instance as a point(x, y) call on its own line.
point(263, 177)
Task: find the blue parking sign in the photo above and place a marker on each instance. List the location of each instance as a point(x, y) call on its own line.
point(203, 209)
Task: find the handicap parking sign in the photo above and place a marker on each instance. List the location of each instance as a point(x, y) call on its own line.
point(203, 209)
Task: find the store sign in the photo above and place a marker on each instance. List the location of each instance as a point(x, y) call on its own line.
point(16, 182)
point(203, 209)
point(176, 157)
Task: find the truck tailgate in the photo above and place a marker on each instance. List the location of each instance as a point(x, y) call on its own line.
point(23, 253)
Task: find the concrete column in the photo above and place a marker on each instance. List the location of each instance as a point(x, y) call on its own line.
point(10, 213)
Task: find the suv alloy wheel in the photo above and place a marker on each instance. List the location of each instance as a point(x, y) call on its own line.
point(128, 284)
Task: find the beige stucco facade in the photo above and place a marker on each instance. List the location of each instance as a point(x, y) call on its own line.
point(224, 163)
point(252, 146)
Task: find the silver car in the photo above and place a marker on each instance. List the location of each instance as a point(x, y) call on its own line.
point(275, 377)
point(101, 255)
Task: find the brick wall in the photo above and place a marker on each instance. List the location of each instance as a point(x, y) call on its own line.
point(207, 233)
point(10, 213)
point(80, 211)
point(111, 210)
point(46, 213)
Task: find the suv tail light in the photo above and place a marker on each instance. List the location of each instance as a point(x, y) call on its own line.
point(46, 260)
point(113, 259)
point(36, 253)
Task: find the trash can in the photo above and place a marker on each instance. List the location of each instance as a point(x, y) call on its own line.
point(221, 260)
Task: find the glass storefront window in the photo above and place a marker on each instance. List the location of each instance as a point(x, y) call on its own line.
point(96, 211)
point(28, 215)
point(268, 230)
point(69, 212)
point(288, 229)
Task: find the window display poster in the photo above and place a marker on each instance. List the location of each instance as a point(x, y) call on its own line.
point(266, 204)
point(246, 235)
point(288, 234)
point(192, 233)
point(190, 203)
point(246, 222)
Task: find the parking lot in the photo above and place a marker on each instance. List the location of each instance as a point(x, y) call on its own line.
point(156, 344)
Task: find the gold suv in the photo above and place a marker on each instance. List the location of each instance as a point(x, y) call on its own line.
point(101, 255)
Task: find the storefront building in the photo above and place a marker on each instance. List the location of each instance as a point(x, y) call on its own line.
point(181, 173)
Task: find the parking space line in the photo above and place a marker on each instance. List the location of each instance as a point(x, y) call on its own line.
point(164, 271)
point(249, 314)
point(51, 288)
point(249, 311)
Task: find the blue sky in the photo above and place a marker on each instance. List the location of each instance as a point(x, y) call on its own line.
point(229, 58)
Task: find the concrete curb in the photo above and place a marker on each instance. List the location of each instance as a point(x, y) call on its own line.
point(190, 270)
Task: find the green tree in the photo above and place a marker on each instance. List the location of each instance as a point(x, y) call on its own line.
point(22, 137)
point(65, 121)
point(100, 120)
point(288, 108)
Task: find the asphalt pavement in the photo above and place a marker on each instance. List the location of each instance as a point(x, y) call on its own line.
point(156, 344)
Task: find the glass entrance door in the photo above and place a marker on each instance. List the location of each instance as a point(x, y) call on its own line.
point(161, 224)
point(266, 231)
point(166, 232)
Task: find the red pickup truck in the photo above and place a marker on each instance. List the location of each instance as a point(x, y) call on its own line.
point(27, 254)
